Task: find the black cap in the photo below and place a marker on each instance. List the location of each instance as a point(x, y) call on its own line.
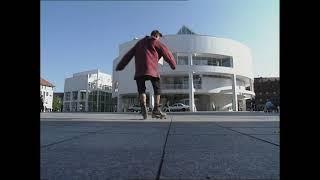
point(155, 32)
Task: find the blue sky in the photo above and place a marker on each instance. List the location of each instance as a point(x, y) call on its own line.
point(83, 35)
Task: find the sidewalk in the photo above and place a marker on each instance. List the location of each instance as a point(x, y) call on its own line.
point(123, 146)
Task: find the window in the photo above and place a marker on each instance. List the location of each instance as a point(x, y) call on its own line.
point(74, 106)
point(67, 107)
point(82, 106)
point(182, 60)
point(83, 95)
point(227, 62)
point(210, 60)
point(195, 60)
point(218, 62)
point(204, 61)
point(74, 95)
point(93, 96)
point(47, 94)
point(197, 82)
point(67, 96)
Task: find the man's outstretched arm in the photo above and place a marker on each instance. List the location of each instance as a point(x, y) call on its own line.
point(126, 59)
point(167, 55)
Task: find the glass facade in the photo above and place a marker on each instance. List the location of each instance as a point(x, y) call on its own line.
point(203, 60)
point(82, 106)
point(82, 95)
point(74, 95)
point(73, 106)
point(66, 106)
point(212, 61)
point(100, 101)
point(67, 95)
point(197, 81)
point(182, 60)
point(178, 82)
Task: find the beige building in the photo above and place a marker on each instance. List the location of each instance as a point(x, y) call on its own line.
point(46, 91)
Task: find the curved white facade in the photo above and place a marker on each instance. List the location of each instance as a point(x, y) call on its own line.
point(208, 64)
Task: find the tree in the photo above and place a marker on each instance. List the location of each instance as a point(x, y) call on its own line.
point(56, 104)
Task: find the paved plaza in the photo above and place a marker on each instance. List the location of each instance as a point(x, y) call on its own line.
point(204, 145)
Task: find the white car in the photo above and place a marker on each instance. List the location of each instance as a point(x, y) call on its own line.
point(177, 107)
point(136, 108)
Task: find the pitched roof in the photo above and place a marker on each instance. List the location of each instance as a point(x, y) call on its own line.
point(44, 82)
point(185, 30)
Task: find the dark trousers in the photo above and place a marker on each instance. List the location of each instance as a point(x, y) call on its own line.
point(141, 84)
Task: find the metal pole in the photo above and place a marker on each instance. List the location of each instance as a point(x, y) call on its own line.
point(234, 93)
point(98, 91)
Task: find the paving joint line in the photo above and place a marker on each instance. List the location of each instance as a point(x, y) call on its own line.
point(248, 135)
point(74, 137)
point(163, 151)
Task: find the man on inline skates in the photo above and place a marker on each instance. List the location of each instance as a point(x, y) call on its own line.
point(147, 53)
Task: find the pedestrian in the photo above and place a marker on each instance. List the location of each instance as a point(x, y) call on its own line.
point(41, 104)
point(253, 103)
point(269, 106)
point(147, 53)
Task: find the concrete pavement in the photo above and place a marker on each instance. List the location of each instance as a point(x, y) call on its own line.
point(219, 145)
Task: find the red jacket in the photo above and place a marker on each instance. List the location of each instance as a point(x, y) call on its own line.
point(147, 53)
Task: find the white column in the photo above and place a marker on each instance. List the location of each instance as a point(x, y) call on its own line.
point(251, 83)
point(44, 101)
point(87, 99)
point(212, 105)
point(87, 95)
point(191, 88)
point(78, 101)
point(234, 93)
point(97, 87)
point(191, 92)
point(190, 60)
point(116, 90)
point(119, 103)
point(151, 99)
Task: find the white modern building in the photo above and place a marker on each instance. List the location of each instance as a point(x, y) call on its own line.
point(215, 74)
point(88, 91)
point(46, 91)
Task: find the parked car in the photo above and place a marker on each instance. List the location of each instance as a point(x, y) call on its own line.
point(177, 107)
point(136, 108)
